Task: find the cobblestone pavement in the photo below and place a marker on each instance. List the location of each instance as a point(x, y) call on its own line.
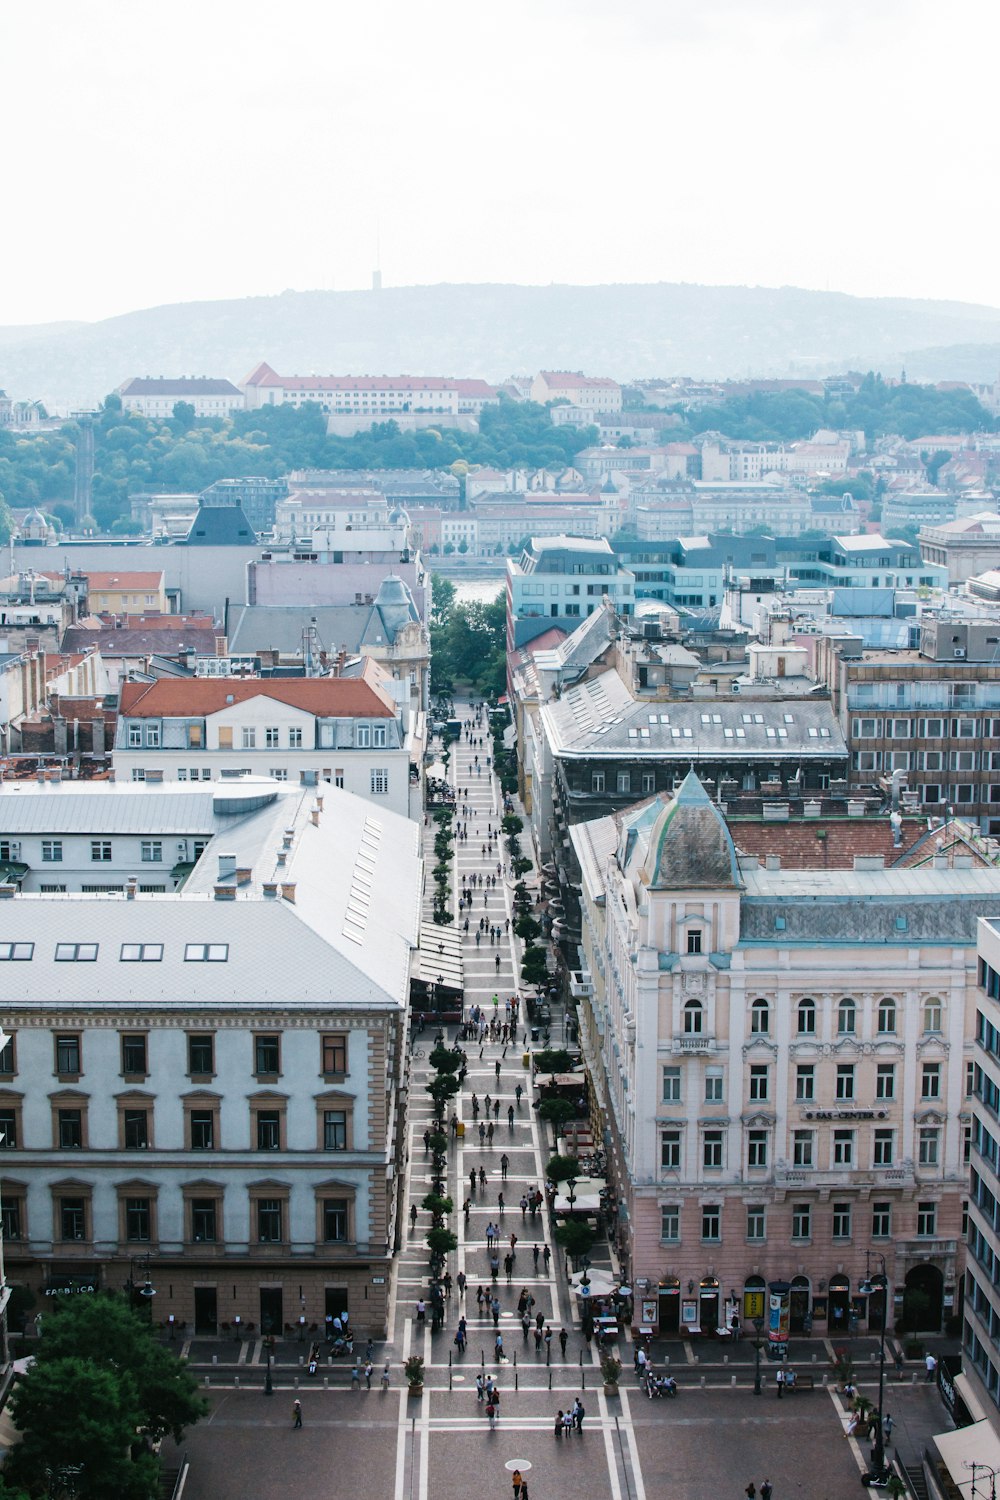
point(706, 1445)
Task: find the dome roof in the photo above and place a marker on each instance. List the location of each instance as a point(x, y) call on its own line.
point(394, 604)
point(689, 844)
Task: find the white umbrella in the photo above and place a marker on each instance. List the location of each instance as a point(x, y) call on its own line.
point(598, 1283)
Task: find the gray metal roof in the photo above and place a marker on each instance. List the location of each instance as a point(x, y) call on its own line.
point(600, 717)
point(108, 808)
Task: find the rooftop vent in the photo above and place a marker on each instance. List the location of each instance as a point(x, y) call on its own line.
point(227, 866)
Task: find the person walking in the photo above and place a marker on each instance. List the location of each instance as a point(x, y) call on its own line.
point(369, 1368)
point(510, 1117)
point(557, 1430)
point(355, 1377)
point(887, 1425)
point(480, 1389)
point(534, 1256)
point(489, 1132)
point(563, 1341)
point(516, 1481)
point(779, 1381)
point(930, 1365)
point(385, 1377)
point(579, 1413)
point(501, 1204)
point(546, 1256)
point(496, 1069)
point(296, 1413)
point(766, 1490)
point(750, 1491)
point(504, 1165)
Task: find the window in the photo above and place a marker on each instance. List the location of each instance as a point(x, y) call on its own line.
point(271, 737)
point(379, 737)
point(713, 1086)
point(269, 1217)
point(843, 1148)
point(760, 1018)
point(757, 1148)
point(201, 1054)
point(72, 1218)
point(268, 1129)
point(9, 1133)
point(930, 1081)
point(335, 1219)
point(623, 782)
point(807, 1018)
point(847, 1018)
point(134, 1054)
point(202, 1129)
point(694, 940)
point(885, 1081)
point(805, 1082)
point(137, 1219)
point(141, 953)
point(52, 851)
point(206, 953)
point(928, 1144)
point(802, 1148)
point(204, 1220)
point(711, 1152)
point(842, 1221)
point(135, 1129)
point(334, 1060)
point(295, 739)
point(68, 1055)
point(248, 738)
point(671, 1085)
point(69, 1129)
point(670, 1150)
point(882, 1148)
point(693, 1016)
point(152, 851)
point(845, 1080)
point(670, 1221)
point(881, 1221)
point(597, 781)
point(79, 953)
point(932, 1015)
point(11, 1218)
point(648, 782)
point(758, 1081)
point(267, 1054)
point(886, 1017)
point(801, 1221)
point(926, 1219)
point(711, 1222)
point(100, 851)
point(379, 782)
point(334, 1130)
point(8, 1061)
point(756, 1221)
point(363, 736)
point(135, 736)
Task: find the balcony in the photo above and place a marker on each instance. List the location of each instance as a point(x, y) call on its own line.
point(696, 1043)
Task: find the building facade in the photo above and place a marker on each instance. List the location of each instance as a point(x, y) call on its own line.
point(781, 1058)
point(981, 1320)
point(157, 398)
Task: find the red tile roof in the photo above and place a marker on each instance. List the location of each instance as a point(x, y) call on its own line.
point(573, 380)
point(104, 582)
point(797, 846)
point(326, 697)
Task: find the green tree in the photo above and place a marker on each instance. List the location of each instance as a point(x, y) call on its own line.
point(443, 593)
point(576, 1238)
point(184, 416)
point(563, 1169)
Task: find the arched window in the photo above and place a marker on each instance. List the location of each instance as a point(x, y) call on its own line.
point(807, 1018)
point(932, 1015)
point(886, 1017)
point(760, 1018)
point(847, 1018)
point(693, 1017)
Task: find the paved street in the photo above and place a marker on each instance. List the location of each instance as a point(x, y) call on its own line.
point(706, 1445)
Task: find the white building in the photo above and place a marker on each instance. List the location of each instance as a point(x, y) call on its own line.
point(347, 731)
point(211, 1078)
point(157, 398)
point(368, 395)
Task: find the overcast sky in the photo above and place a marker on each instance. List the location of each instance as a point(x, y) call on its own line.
point(171, 152)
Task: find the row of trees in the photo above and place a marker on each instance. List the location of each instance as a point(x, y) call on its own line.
point(102, 1391)
point(468, 642)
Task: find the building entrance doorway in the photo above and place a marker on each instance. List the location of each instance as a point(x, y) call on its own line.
point(923, 1299)
point(206, 1310)
point(271, 1315)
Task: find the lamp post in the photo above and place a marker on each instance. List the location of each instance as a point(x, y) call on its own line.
point(983, 1469)
point(758, 1324)
point(140, 1285)
point(880, 1281)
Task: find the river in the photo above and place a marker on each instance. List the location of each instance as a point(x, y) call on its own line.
point(477, 590)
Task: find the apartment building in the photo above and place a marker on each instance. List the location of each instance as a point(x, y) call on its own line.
point(562, 578)
point(208, 1083)
point(930, 716)
point(965, 547)
point(981, 1312)
point(780, 1050)
point(589, 392)
point(368, 395)
point(346, 731)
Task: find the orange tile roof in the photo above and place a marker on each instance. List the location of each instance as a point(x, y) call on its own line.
point(326, 697)
point(107, 581)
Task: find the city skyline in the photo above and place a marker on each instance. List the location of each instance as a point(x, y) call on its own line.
point(223, 156)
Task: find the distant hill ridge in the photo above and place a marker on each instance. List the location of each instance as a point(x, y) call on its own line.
point(627, 331)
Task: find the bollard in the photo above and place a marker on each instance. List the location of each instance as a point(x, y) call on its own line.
point(326, 1382)
point(581, 1359)
point(302, 1360)
point(701, 1381)
point(207, 1380)
point(666, 1359)
point(482, 1358)
point(550, 1380)
point(515, 1378)
point(449, 1359)
point(725, 1359)
point(329, 1360)
point(697, 1359)
point(236, 1381)
point(215, 1359)
point(295, 1382)
point(583, 1378)
point(825, 1377)
point(732, 1381)
point(515, 1359)
point(814, 1359)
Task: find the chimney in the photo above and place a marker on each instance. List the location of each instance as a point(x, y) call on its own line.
point(319, 804)
point(869, 862)
point(130, 888)
point(772, 861)
point(812, 809)
point(270, 889)
point(8, 892)
point(282, 857)
point(225, 893)
point(314, 817)
point(227, 866)
point(243, 874)
point(288, 892)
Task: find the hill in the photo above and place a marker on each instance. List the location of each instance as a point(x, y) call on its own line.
point(494, 330)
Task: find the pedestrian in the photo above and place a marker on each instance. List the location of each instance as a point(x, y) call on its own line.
point(501, 1203)
point(460, 1279)
point(482, 1133)
point(427, 1140)
point(495, 1310)
point(546, 1256)
point(516, 1481)
point(525, 1324)
point(497, 963)
point(513, 1246)
point(779, 1381)
point(887, 1425)
point(897, 1360)
point(496, 1069)
point(491, 1414)
point(385, 1376)
point(369, 1367)
point(538, 1341)
point(750, 1491)
point(766, 1490)
point(534, 1255)
point(510, 1120)
point(480, 1388)
point(517, 1095)
point(930, 1365)
point(563, 1341)
point(413, 1216)
point(558, 1429)
point(482, 1177)
point(579, 1412)
point(523, 1207)
point(496, 1109)
point(296, 1413)
point(355, 1377)
point(548, 1339)
point(466, 1209)
point(504, 1164)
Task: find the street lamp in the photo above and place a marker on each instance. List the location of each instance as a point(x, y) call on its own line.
point(140, 1284)
point(758, 1324)
point(983, 1469)
point(871, 1284)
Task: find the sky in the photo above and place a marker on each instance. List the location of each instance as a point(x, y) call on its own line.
point(228, 148)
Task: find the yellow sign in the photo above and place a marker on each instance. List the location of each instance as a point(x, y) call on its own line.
point(753, 1305)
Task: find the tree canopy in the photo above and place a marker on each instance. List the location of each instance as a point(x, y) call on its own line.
point(100, 1391)
point(468, 642)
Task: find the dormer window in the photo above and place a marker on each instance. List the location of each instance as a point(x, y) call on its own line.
point(694, 940)
point(363, 736)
